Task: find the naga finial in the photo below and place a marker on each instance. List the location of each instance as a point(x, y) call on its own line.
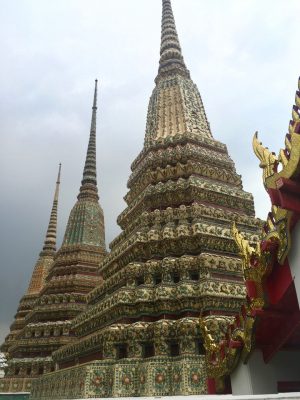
point(288, 158)
point(246, 250)
point(268, 159)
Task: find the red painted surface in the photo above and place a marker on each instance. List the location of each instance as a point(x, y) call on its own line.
point(234, 344)
point(211, 386)
point(278, 282)
point(251, 289)
point(281, 338)
point(286, 195)
point(279, 322)
point(286, 387)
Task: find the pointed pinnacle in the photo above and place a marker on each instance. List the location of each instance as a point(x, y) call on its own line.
point(95, 95)
point(57, 183)
point(49, 247)
point(171, 59)
point(88, 189)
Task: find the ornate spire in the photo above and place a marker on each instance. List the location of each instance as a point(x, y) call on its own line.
point(171, 59)
point(50, 240)
point(88, 189)
point(175, 108)
point(86, 222)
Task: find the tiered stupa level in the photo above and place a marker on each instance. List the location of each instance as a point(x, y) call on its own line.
point(174, 261)
point(73, 274)
point(17, 376)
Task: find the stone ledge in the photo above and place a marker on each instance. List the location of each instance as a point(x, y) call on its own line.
point(219, 397)
point(282, 396)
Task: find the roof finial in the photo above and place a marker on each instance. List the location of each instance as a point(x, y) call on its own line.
point(171, 59)
point(95, 95)
point(50, 240)
point(88, 187)
point(57, 183)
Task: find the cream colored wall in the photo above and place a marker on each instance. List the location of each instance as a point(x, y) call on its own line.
point(255, 377)
point(294, 258)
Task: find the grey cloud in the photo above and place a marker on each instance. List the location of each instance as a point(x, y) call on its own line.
point(241, 55)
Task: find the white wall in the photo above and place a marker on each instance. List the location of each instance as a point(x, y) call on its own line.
point(294, 258)
point(287, 365)
point(255, 377)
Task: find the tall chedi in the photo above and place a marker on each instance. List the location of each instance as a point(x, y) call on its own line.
point(174, 261)
point(14, 380)
point(71, 277)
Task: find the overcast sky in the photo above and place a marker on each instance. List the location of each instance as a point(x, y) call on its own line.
point(243, 55)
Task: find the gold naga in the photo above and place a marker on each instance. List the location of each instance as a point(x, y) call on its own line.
point(279, 181)
point(279, 175)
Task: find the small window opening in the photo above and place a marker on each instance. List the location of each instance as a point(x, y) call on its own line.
point(157, 279)
point(148, 350)
point(194, 275)
point(140, 281)
point(176, 277)
point(17, 371)
point(174, 349)
point(41, 370)
point(122, 351)
point(200, 347)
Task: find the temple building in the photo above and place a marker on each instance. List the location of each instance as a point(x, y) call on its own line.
point(175, 260)
point(16, 366)
point(167, 310)
point(260, 349)
point(59, 284)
